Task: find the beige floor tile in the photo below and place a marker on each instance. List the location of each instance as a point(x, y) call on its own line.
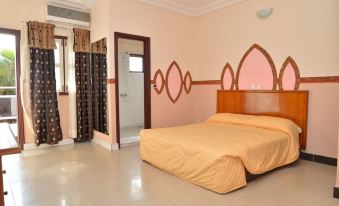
point(86, 174)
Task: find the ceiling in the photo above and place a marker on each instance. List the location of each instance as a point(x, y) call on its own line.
point(188, 7)
point(192, 7)
point(79, 4)
point(193, 3)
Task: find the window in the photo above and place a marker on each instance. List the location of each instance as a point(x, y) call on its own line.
point(59, 55)
point(136, 63)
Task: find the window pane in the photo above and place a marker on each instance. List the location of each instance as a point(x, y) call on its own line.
point(58, 78)
point(7, 63)
point(58, 55)
point(57, 51)
point(135, 64)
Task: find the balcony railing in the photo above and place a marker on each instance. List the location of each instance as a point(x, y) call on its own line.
point(8, 104)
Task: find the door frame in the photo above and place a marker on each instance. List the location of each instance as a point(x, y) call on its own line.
point(147, 78)
point(20, 118)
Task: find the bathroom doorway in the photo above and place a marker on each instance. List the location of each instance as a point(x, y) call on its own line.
point(132, 86)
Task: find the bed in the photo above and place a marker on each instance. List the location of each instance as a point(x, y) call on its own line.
point(253, 132)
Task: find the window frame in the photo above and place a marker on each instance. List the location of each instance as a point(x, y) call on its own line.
point(143, 61)
point(63, 64)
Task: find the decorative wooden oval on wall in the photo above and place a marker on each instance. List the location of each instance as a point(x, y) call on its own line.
point(289, 76)
point(174, 82)
point(188, 82)
point(227, 78)
point(159, 81)
point(256, 70)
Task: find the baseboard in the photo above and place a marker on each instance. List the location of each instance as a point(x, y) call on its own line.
point(336, 192)
point(318, 158)
point(105, 144)
point(32, 146)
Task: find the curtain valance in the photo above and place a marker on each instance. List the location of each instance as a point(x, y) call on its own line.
point(81, 40)
point(41, 35)
point(99, 46)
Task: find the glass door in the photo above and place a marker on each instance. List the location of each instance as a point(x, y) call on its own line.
point(10, 102)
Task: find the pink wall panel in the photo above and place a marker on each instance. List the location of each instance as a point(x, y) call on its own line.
point(227, 80)
point(174, 82)
point(255, 71)
point(288, 78)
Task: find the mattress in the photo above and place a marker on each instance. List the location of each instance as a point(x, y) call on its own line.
point(214, 154)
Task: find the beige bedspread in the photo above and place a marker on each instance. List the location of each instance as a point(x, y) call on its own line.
point(213, 154)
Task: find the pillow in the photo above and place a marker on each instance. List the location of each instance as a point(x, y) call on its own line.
point(266, 122)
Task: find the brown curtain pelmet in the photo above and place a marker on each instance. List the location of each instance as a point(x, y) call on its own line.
point(81, 40)
point(99, 46)
point(41, 35)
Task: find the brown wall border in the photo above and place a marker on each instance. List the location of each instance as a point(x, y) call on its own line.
point(206, 82)
point(295, 67)
point(327, 79)
point(111, 81)
point(227, 67)
point(269, 59)
point(303, 80)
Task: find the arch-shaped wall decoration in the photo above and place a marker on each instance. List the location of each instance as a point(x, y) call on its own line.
point(174, 81)
point(227, 78)
point(188, 82)
point(159, 81)
point(257, 69)
point(289, 76)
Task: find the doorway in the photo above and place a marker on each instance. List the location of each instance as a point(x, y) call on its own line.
point(11, 113)
point(132, 86)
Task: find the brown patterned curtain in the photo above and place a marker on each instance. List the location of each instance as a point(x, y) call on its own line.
point(44, 102)
point(83, 85)
point(99, 85)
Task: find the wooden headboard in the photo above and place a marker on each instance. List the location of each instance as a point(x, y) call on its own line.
point(291, 105)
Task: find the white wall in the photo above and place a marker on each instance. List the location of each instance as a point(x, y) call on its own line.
point(131, 107)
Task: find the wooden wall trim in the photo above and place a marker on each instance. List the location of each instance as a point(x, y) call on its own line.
point(206, 82)
point(328, 79)
point(303, 80)
point(111, 81)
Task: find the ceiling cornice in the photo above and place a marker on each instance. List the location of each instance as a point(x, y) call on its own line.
point(192, 11)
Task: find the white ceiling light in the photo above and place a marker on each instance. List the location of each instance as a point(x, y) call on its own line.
point(264, 13)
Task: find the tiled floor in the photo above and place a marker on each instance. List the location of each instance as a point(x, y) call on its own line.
point(130, 135)
point(86, 174)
